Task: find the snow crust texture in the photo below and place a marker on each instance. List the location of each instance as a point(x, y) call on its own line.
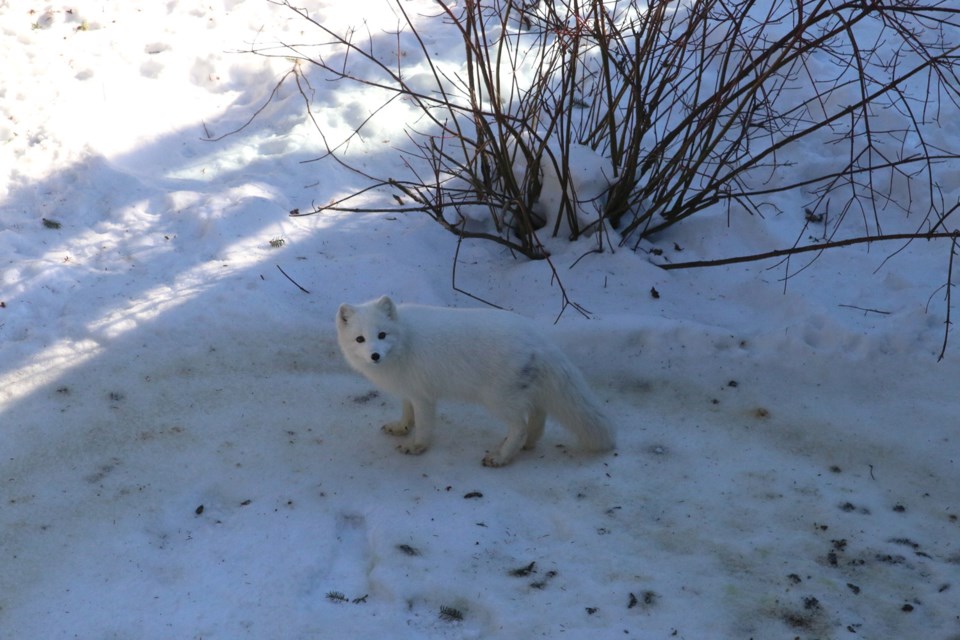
point(184, 453)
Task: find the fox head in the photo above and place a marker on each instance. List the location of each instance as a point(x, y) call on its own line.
point(367, 332)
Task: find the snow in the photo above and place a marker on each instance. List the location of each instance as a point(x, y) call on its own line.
point(185, 453)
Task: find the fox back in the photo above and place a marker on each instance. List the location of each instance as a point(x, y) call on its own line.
point(467, 354)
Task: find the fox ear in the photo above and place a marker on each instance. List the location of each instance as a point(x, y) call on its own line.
point(385, 304)
point(344, 313)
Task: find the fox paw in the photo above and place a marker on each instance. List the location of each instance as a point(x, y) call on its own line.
point(397, 428)
point(411, 449)
point(493, 460)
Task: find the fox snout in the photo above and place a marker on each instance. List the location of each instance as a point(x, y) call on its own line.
point(372, 354)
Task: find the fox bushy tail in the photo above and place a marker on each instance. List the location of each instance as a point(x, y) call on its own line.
point(575, 406)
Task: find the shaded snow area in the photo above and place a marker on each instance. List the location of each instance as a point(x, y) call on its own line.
point(185, 454)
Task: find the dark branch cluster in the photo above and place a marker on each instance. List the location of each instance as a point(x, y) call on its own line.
point(686, 107)
point(681, 108)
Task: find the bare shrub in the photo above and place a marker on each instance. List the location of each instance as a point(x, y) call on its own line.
point(679, 106)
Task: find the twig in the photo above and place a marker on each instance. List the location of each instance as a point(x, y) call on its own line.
point(946, 330)
point(453, 278)
point(291, 279)
point(273, 94)
point(696, 264)
point(864, 309)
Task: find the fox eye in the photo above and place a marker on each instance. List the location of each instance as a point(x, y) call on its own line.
point(381, 335)
point(361, 339)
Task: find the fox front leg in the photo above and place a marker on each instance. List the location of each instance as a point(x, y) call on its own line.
point(402, 426)
point(426, 414)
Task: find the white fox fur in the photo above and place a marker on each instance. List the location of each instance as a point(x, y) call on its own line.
point(494, 358)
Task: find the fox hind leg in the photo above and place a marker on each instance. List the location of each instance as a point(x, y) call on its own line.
point(509, 448)
point(535, 423)
point(517, 436)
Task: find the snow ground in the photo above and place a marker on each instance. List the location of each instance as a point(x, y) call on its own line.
point(186, 455)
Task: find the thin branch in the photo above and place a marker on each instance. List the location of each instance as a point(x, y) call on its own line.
point(779, 253)
point(453, 279)
point(291, 279)
point(865, 310)
point(946, 330)
point(273, 94)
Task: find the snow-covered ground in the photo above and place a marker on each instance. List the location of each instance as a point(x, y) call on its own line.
point(184, 453)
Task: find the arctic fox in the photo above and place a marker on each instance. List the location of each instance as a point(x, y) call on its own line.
point(494, 358)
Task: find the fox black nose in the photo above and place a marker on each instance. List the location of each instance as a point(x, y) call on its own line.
point(375, 357)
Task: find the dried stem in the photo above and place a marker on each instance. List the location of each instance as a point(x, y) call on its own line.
point(946, 330)
point(779, 253)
